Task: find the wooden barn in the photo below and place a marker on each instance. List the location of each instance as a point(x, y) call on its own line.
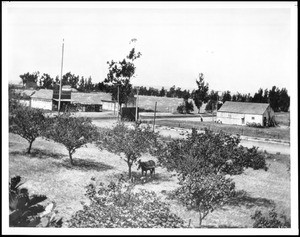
point(243, 113)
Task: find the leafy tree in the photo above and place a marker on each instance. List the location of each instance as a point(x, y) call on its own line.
point(25, 210)
point(46, 81)
point(70, 79)
point(81, 85)
point(284, 100)
point(270, 221)
point(30, 78)
point(204, 193)
point(200, 95)
point(88, 85)
point(117, 205)
point(258, 97)
point(162, 92)
point(120, 74)
point(234, 98)
point(171, 92)
point(274, 97)
point(72, 132)
point(207, 153)
point(27, 122)
point(129, 143)
point(186, 107)
point(226, 96)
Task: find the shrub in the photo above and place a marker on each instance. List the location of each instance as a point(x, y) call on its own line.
point(207, 153)
point(25, 210)
point(204, 193)
point(186, 107)
point(130, 142)
point(254, 125)
point(270, 221)
point(27, 122)
point(117, 205)
point(72, 132)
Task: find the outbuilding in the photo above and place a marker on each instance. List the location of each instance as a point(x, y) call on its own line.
point(244, 113)
point(42, 99)
point(89, 102)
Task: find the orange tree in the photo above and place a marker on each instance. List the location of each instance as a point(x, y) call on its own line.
point(129, 143)
point(202, 160)
point(27, 122)
point(72, 132)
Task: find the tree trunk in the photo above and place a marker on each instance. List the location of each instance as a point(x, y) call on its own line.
point(200, 218)
point(129, 170)
point(29, 148)
point(70, 155)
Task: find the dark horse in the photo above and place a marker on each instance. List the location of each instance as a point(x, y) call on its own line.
point(147, 165)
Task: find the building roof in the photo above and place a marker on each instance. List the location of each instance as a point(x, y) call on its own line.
point(25, 92)
point(90, 98)
point(43, 94)
point(243, 107)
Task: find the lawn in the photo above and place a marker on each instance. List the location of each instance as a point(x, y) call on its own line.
point(48, 171)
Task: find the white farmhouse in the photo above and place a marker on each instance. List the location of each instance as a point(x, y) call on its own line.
point(242, 113)
point(42, 99)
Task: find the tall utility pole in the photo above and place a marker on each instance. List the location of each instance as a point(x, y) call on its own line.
point(136, 104)
point(60, 84)
point(118, 103)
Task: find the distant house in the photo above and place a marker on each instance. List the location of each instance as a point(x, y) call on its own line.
point(241, 113)
point(25, 96)
point(89, 102)
point(42, 99)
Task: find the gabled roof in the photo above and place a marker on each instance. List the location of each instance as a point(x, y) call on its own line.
point(90, 98)
point(243, 107)
point(43, 94)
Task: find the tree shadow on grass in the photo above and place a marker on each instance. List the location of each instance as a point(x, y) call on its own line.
point(83, 165)
point(137, 177)
point(242, 198)
point(37, 153)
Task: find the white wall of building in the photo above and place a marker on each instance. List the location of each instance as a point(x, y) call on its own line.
point(239, 119)
point(25, 102)
point(111, 106)
point(41, 103)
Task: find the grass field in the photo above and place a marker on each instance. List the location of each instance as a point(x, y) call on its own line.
point(48, 171)
point(271, 133)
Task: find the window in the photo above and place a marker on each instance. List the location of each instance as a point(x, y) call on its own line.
point(253, 118)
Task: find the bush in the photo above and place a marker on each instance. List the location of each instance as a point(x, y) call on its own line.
point(186, 107)
point(206, 153)
point(270, 221)
point(25, 210)
point(27, 122)
point(254, 125)
point(204, 193)
point(117, 205)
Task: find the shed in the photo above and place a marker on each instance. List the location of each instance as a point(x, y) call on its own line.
point(89, 102)
point(42, 99)
point(243, 113)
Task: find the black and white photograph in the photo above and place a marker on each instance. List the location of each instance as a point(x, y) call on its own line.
point(149, 118)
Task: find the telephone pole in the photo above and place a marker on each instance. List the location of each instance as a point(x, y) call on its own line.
point(60, 84)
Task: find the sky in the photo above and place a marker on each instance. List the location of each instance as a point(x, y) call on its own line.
point(239, 48)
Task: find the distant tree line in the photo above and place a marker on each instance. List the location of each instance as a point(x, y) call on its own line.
point(278, 98)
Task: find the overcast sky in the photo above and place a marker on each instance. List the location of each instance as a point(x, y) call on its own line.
point(237, 49)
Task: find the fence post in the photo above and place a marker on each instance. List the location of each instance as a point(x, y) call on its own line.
point(154, 116)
